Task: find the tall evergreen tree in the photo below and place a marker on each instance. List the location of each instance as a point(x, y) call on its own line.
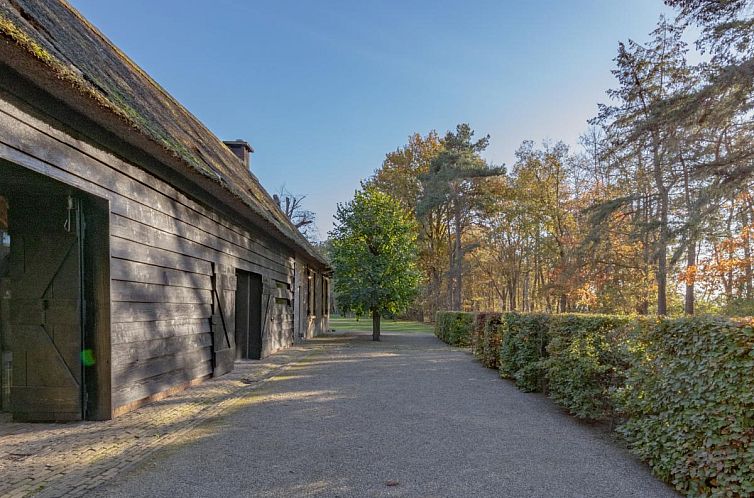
point(454, 183)
point(648, 76)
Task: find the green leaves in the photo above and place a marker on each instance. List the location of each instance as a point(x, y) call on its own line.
point(689, 404)
point(374, 254)
point(454, 171)
point(587, 359)
point(485, 338)
point(455, 327)
point(682, 388)
point(523, 347)
point(491, 339)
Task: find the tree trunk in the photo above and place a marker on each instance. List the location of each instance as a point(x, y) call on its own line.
point(747, 250)
point(662, 250)
point(436, 290)
point(512, 297)
point(688, 304)
point(451, 269)
point(642, 307)
point(664, 236)
point(662, 276)
point(458, 259)
point(730, 254)
point(375, 325)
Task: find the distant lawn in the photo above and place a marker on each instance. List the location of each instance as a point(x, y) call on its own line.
point(365, 325)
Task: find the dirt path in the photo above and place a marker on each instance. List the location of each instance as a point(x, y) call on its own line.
point(407, 416)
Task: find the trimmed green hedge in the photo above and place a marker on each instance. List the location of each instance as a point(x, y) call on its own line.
point(477, 334)
point(491, 339)
point(522, 349)
point(688, 400)
point(454, 327)
point(682, 390)
point(587, 360)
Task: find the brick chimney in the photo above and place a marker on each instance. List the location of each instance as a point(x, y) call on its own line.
point(242, 150)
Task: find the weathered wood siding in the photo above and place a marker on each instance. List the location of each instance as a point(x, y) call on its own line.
point(318, 319)
point(165, 250)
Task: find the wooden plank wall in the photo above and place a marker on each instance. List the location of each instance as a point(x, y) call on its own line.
point(318, 322)
point(164, 250)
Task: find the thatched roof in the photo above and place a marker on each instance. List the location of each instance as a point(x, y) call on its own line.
point(83, 66)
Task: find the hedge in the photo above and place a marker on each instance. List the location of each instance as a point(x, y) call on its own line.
point(522, 349)
point(682, 390)
point(454, 327)
point(477, 334)
point(490, 339)
point(688, 400)
point(588, 356)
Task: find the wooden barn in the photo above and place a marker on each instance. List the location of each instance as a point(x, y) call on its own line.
point(138, 252)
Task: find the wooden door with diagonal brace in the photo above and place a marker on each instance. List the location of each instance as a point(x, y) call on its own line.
point(46, 320)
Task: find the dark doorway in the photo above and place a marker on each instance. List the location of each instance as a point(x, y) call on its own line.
point(248, 315)
point(52, 353)
point(300, 313)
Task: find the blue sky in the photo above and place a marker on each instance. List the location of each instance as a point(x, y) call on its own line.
point(324, 89)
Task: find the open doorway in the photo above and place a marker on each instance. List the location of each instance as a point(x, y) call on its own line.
point(5, 354)
point(248, 315)
point(54, 348)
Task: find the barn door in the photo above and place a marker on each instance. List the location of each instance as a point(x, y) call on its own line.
point(255, 317)
point(223, 321)
point(248, 316)
point(46, 329)
point(242, 314)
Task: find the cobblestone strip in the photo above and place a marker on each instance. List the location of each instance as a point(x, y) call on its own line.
point(71, 459)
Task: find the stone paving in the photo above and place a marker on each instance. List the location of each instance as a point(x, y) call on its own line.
point(72, 459)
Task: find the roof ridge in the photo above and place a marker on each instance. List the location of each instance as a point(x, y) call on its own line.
point(120, 86)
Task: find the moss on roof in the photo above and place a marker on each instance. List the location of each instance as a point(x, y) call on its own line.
point(72, 49)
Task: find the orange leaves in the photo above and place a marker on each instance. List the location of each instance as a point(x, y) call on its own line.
point(586, 296)
point(688, 276)
point(726, 266)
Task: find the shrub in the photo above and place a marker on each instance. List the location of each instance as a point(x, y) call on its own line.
point(522, 348)
point(454, 327)
point(682, 387)
point(689, 403)
point(477, 334)
point(491, 338)
point(587, 360)
point(739, 307)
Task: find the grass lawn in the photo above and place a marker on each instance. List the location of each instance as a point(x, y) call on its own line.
point(365, 325)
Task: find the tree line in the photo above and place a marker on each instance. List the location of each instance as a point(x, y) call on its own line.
point(653, 213)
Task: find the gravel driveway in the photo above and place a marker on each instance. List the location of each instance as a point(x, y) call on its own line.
point(407, 416)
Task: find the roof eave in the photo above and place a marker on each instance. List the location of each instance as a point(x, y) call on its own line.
point(31, 67)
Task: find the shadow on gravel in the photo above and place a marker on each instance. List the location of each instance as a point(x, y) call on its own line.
point(55, 454)
point(409, 409)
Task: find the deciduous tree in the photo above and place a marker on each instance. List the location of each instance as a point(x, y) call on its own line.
point(374, 255)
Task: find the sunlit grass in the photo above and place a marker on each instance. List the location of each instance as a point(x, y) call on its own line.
point(365, 325)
